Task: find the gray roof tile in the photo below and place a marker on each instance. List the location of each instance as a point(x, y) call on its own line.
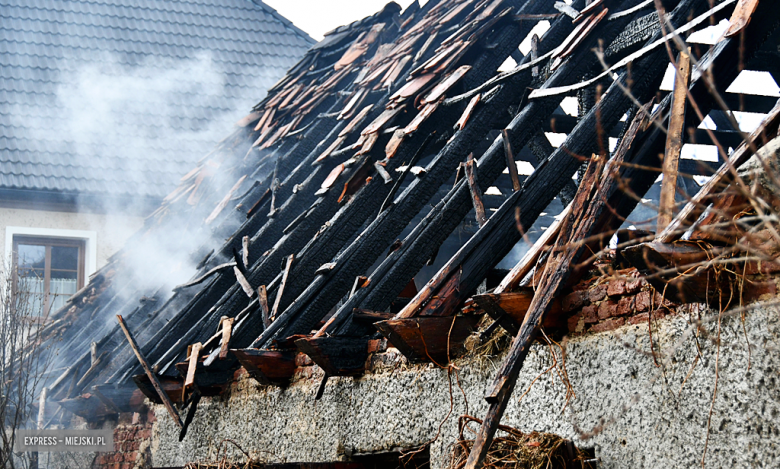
point(90, 88)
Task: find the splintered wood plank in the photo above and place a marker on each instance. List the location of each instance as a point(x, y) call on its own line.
point(510, 161)
point(268, 367)
point(413, 86)
point(741, 16)
point(379, 123)
point(421, 117)
point(395, 141)
point(426, 339)
point(227, 329)
point(337, 356)
point(262, 297)
point(674, 140)
point(464, 118)
point(331, 179)
point(279, 294)
point(148, 369)
point(225, 201)
point(476, 192)
point(444, 86)
point(192, 364)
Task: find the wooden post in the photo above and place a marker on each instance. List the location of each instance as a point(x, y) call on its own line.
point(148, 369)
point(476, 193)
point(510, 161)
point(674, 140)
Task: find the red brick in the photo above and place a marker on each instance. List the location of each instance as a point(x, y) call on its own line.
point(131, 457)
point(643, 301)
point(150, 417)
point(659, 300)
point(607, 309)
point(597, 293)
point(638, 319)
point(303, 360)
point(608, 325)
point(144, 434)
point(377, 346)
point(590, 314)
point(616, 287)
point(576, 323)
point(574, 301)
point(626, 306)
point(634, 285)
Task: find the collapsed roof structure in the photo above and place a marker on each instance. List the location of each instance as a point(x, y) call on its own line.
point(306, 228)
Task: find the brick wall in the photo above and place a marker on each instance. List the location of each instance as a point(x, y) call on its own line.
point(132, 443)
point(607, 302)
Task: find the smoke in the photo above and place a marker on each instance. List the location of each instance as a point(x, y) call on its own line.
point(132, 131)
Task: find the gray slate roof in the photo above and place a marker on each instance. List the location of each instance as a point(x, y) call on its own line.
point(121, 97)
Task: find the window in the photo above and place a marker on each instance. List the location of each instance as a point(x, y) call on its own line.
point(50, 269)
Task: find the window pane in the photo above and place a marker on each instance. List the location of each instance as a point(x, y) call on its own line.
point(64, 258)
point(58, 301)
point(63, 286)
point(30, 297)
point(31, 257)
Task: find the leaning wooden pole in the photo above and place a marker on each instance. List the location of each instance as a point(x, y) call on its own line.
point(587, 209)
point(674, 140)
point(148, 369)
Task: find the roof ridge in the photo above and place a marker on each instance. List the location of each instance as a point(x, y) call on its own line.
point(283, 20)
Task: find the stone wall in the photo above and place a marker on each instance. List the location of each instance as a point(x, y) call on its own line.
point(640, 410)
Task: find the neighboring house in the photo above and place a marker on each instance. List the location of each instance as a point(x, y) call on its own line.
point(105, 105)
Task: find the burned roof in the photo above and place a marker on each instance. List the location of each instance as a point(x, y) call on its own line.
point(355, 200)
point(166, 70)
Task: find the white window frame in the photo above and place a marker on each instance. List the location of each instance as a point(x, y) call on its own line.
point(89, 238)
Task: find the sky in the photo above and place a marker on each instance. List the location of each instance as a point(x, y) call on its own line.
point(317, 17)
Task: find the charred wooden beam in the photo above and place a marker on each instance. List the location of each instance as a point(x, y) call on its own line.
point(510, 162)
point(152, 376)
point(337, 356)
point(436, 340)
point(268, 367)
point(510, 309)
